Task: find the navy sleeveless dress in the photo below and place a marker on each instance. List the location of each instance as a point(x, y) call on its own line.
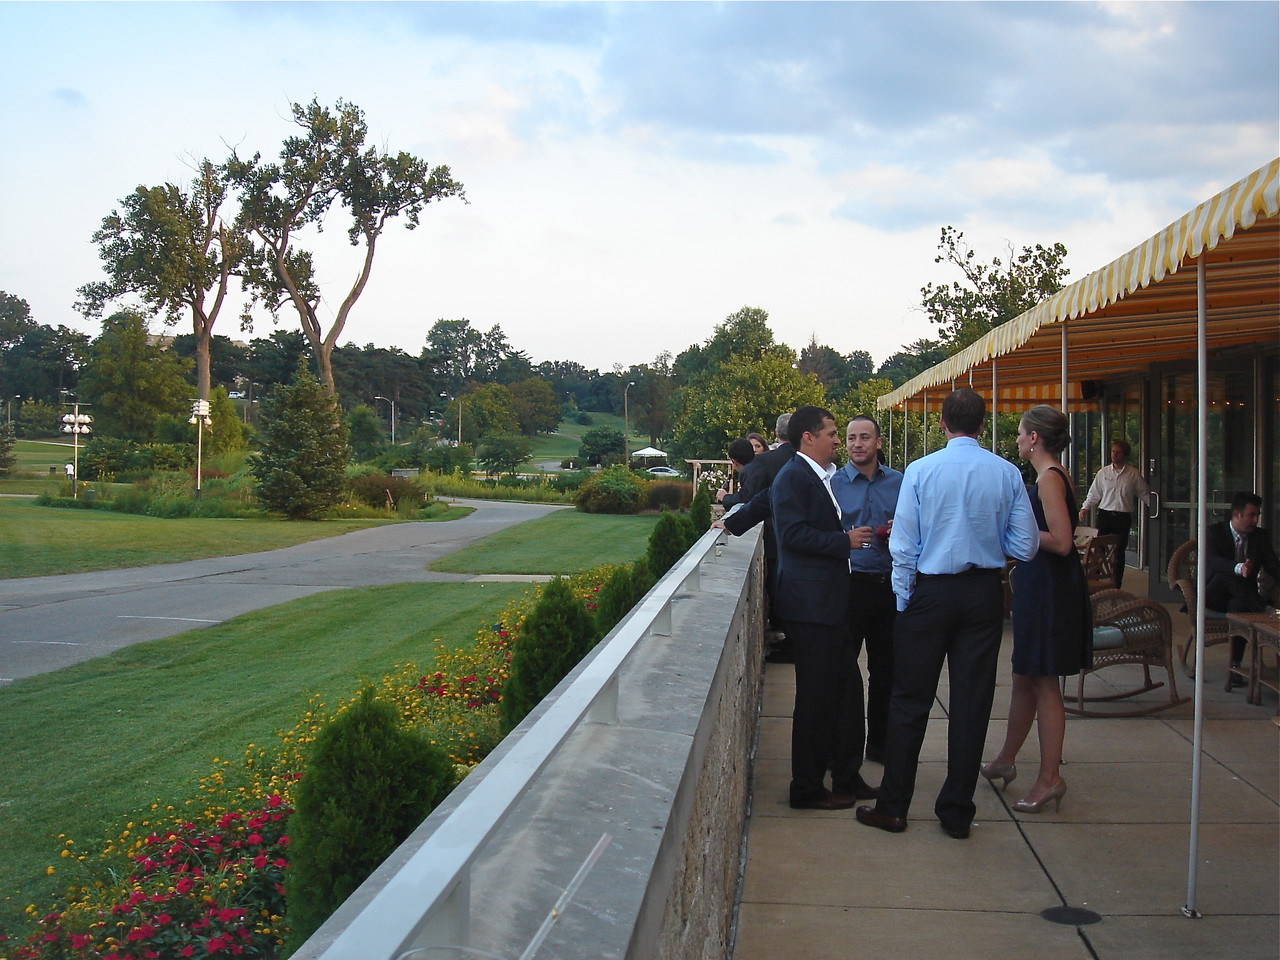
point(1052, 617)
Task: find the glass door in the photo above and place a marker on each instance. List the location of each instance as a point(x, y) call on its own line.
point(1172, 471)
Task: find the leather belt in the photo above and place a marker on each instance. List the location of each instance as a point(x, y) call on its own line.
point(870, 577)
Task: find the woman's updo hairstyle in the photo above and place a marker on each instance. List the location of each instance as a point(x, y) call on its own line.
point(1050, 424)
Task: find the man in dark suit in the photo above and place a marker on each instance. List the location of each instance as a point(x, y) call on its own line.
point(811, 596)
point(755, 509)
point(742, 457)
point(1238, 550)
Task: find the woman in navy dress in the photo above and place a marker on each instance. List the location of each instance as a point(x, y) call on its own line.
point(1052, 620)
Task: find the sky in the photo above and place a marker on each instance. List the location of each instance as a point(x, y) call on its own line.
point(636, 172)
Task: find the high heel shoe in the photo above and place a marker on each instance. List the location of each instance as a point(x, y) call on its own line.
point(995, 771)
point(1055, 794)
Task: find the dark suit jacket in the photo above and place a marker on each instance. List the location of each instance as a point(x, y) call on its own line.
point(813, 549)
point(1221, 552)
point(757, 509)
point(750, 480)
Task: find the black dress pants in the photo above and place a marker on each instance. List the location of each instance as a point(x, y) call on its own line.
point(958, 618)
point(1232, 593)
point(827, 718)
point(1116, 522)
point(872, 609)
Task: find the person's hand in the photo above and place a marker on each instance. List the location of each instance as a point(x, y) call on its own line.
point(721, 494)
point(1083, 514)
point(860, 538)
point(1246, 569)
point(718, 525)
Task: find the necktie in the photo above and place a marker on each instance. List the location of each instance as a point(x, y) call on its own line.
point(1240, 557)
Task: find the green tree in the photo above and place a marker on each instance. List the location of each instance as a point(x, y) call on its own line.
point(43, 361)
point(557, 634)
point(129, 381)
point(301, 466)
point(225, 434)
point(700, 511)
point(736, 398)
point(329, 164)
point(534, 405)
point(7, 457)
point(365, 430)
point(503, 453)
point(173, 247)
point(991, 294)
point(668, 542)
point(599, 443)
point(913, 359)
point(485, 409)
point(15, 320)
point(367, 785)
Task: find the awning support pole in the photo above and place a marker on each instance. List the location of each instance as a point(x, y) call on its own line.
point(1202, 523)
point(924, 436)
point(995, 399)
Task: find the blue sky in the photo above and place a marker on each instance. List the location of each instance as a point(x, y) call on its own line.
point(638, 171)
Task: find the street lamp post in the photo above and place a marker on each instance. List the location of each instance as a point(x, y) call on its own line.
point(9, 407)
point(201, 419)
point(626, 426)
point(75, 423)
point(393, 417)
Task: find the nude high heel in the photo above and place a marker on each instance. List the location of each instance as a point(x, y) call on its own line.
point(994, 772)
point(1055, 794)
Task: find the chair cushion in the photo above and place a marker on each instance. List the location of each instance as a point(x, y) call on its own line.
point(1214, 614)
point(1107, 637)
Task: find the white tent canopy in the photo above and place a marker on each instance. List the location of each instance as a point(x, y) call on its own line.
point(648, 452)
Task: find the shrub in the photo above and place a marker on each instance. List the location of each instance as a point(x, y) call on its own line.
point(668, 495)
point(599, 443)
point(642, 578)
point(366, 786)
point(557, 634)
point(612, 490)
point(615, 599)
point(376, 489)
point(667, 543)
point(700, 512)
point(584, 419)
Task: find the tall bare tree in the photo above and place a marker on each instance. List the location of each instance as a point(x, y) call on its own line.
point(328, 164)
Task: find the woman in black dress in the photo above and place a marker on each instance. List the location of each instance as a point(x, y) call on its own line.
point(1052, 621)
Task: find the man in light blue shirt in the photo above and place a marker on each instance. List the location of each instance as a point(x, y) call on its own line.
point(960, 513)
point(867, 492)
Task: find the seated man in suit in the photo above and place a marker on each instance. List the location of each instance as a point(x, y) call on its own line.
point(1237, 551)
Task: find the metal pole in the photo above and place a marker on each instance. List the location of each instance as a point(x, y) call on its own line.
point(995, 395)
point(1202, 525)
point(626, 425)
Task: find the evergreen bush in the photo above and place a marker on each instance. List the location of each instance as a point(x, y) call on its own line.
point(616, 598)
point(642, 578)
point(366, 786)
point(612, 490)
point(667, 543)
point(700, 512)
point(557, 634)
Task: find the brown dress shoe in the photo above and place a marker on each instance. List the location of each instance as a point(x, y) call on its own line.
point(828, 801)
point(870, 817)
point(864, 791)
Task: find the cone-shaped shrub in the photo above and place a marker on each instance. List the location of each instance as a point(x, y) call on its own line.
point(642, 578)
point(366, 787)
point(616, 597)
point(667, 543)
point(557, 634)
point(700, 511)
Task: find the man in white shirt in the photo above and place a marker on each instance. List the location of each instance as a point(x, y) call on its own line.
point(1115, 492)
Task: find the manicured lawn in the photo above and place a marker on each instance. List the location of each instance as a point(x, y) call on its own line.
point(92, 745)
point(561, 542)
point(38, 541)
point(37, 456)
point(565, 442)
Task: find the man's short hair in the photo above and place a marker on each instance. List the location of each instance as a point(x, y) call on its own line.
point(1124, 446)
point(780, 430)
point(806, 420)
point(1245, 499)
point(741, 451)
point(869, 419)
point(963, 412)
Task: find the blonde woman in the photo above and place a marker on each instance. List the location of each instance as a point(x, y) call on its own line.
point(1052, 621)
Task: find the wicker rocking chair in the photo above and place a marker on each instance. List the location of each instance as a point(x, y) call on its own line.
point(1181, 576)
point(1127, 629)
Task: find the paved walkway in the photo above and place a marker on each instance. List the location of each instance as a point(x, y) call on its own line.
point(51, 622)
point(820, 886)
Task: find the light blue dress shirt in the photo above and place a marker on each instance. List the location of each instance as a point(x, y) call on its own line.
point(960, 508)
point(867, 503)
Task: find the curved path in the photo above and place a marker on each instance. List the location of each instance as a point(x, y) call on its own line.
point(51, 622)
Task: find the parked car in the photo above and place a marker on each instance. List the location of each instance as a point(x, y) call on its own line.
point(236, 395)
point(663, 471)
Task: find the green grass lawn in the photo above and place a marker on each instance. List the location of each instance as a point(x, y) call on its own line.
point(89, 746)
point(565, 442)
point(37, 456)
point(38, 541)
point(560, 542)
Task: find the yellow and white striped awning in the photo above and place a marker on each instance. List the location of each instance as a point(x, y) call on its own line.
point(1137, 310)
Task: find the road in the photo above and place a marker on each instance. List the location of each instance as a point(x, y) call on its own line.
point(51, 622)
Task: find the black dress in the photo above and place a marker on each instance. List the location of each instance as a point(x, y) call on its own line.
point(1052, 617)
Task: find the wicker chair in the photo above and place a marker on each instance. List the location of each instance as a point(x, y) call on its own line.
point(1099, 561)
point(1181, 576)
point(1127, 629)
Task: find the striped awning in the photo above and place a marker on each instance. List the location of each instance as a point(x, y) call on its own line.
point(1137, 310)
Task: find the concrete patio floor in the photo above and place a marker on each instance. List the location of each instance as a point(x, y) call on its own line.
point(820, 886)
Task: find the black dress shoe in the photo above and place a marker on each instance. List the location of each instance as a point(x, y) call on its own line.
point(956, 833)
point(1236, 679)
point(827, 801)
point(870, 817)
